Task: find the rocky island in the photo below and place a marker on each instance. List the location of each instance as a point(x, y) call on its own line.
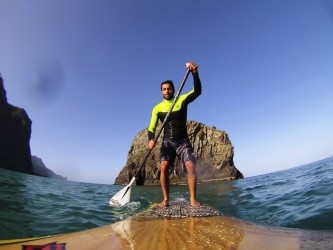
point(212, 148)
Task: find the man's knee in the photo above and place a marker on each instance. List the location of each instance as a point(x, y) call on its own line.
point(190, 167)
point(164, 166)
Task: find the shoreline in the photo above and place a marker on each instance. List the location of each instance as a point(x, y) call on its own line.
point(182, 183)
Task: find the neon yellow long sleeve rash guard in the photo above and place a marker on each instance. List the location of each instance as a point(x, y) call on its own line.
point(175, 126)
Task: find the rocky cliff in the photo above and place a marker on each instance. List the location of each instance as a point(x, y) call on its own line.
point(41, 170)
point(15, 132)
point(212, 147)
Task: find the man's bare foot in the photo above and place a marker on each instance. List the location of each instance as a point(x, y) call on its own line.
point(164, 203)
point(195, 203)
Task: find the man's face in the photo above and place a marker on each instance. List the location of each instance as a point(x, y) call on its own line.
point(167, 91)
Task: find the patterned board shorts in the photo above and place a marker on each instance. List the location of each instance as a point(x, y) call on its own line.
point(180, 148)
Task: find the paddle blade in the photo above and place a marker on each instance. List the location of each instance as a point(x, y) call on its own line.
point(123, 196)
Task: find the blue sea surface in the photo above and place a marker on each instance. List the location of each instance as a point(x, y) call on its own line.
point(32, 206)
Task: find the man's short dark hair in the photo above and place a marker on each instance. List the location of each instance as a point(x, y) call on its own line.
point(168, 82)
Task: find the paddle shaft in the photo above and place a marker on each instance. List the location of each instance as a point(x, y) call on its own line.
point(164, 121)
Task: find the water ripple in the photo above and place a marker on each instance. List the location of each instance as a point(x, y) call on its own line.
point(301, 197)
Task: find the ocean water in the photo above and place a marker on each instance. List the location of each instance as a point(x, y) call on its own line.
point(32, 206)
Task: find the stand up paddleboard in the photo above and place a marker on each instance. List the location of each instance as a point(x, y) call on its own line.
point(179, 226)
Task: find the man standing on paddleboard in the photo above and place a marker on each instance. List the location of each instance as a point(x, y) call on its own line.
point(175, 139)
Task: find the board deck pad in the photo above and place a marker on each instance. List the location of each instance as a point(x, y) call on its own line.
point(178, 209)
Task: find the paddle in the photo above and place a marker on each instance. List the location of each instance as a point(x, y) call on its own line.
point(124, 195)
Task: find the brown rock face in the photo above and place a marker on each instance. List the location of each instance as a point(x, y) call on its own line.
point(15, 132)
point(212, 147)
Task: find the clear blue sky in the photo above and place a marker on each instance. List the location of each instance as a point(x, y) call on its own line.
point(88, 74)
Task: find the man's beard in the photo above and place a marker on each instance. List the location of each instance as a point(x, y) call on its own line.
point(169, 98)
